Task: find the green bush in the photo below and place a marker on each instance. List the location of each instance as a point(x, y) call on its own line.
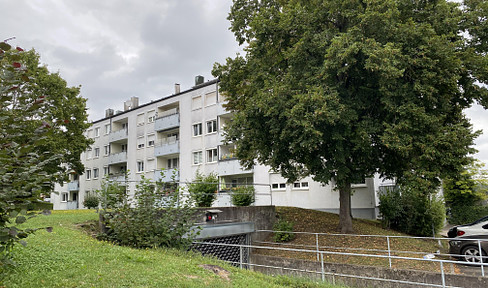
point(284, 228)
point(411, 211)
point(39, 206)
point(91, 202)
point(157, 218)
point(464, 214)
point(243, 195)
point(203, 189)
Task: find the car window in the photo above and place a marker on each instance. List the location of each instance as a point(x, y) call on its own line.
point(485, 226)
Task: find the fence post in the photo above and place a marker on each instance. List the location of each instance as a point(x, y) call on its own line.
point(442, 274)
point(240, 256)
point(389, 251)
point(322, 266)
point(317, 244)
point(481, 259)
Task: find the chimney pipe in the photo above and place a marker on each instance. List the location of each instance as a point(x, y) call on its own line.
point(177, 88)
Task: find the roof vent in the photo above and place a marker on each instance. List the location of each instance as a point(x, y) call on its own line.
point(177, 88)
point(199, 80)
point(109, 112)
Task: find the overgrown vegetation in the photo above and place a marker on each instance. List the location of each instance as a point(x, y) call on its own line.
point(283, 228)
point(464, 194)
point(203, 189)
point(412, 211)
point(154, 217)
point(243, 195)
point(41, 126)
point(81, 261)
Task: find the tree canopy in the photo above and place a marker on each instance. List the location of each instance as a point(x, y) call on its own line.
point(41, 136)
point(343, 89)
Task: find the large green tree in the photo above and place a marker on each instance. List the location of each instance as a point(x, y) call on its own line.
point(41, 136)
point(343, 89)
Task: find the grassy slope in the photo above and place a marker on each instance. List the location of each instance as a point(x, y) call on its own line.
point(69, 257)
point(316, 221)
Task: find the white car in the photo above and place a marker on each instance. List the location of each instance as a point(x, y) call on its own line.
point(468, 239)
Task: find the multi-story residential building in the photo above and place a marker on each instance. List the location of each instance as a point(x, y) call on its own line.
point(182, 133)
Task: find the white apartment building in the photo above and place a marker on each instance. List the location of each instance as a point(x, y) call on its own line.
point(183, 133)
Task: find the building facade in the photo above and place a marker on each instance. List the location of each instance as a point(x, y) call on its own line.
point(182, 134)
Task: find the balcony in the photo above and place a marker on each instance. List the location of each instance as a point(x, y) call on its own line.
point(167, 147)
point(73, 185)
point(231, 166)
point(168, 175)
point(167, 122)
point(118, 135)
point(117, 158)
point(120, 178)
point(72, 205)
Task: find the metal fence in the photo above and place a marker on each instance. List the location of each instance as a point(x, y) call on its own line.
point(389, 254)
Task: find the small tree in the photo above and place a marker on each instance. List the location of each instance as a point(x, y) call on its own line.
point(91, 202)
point(243, 195)
point(203, 189)
point(157, 218)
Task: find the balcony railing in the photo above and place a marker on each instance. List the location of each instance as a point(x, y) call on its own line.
point(221, 110)
point(71, 205)
point(117, 158)
point(231, 166)
point(167, 122)
point(118, 135)
point(166, 147)
point(167, 176)
point(73, 185)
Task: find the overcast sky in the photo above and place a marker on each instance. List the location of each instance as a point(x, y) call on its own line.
point(116, 49)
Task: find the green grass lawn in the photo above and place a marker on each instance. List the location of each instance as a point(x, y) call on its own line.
point(68, 257)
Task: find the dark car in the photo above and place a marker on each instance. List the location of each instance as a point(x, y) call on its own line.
point(468, 239)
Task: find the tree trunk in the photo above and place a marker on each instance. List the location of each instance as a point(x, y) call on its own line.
point(345, 214)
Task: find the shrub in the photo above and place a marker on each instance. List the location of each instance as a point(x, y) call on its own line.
point(39, 206)
point(412, 211)
point(243, 196)
point(284, 228)
point(147, 224)
point(203, 189)
point(91, 202)
point(464, 214)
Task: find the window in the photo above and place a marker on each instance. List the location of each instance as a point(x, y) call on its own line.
point(140, 166)
point(97, 152)
point(88, 174)
point(64, 197)
point(125, 126)
point(151, 164)
point(106, 170)
point(151, 116)
point(211, 126)
point(150, 140)
point(140, 142)
point(212, 155)
point(97, 132)
point(106, 150)
point(197, 129)
point(95, 173)
point(140, 119)
point(196, 102)
point(197, 158)
point(278, 186)
point(173, 163)
point(89, 133)
point(210, 98)
point(107, 129)
point(300, 185)
point(123, 147)
point(89, 153)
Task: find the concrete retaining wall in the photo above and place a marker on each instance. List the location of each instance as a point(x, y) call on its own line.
point(367, 271)
point(263, 217)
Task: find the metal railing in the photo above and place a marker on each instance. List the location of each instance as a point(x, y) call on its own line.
point(387, 254)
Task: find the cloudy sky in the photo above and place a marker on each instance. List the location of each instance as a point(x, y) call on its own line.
point(118, 49)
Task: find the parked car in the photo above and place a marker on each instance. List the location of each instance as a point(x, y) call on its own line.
point(467, 240)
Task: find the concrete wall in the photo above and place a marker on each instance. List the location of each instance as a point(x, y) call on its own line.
point(263, 217)
point(366, 271)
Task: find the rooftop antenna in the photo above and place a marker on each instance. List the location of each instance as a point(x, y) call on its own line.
point(8, 39)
